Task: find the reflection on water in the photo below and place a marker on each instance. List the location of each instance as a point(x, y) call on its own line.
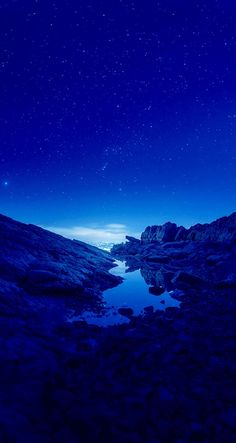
point(133, 293)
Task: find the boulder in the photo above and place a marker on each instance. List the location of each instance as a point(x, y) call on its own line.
point(183, 278)
point(126, 312)
point(162, 234)
point(156, 290)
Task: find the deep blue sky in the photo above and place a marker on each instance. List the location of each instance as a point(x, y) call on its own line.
point(117, 112)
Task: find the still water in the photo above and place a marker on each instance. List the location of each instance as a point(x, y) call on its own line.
point(133, 293)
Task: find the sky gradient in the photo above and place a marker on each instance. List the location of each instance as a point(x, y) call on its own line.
point(115, 115)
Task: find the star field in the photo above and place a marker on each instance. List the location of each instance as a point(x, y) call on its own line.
point(117, 112)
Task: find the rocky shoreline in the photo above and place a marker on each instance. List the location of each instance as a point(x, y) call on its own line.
point(202, 256)
point(168, 376)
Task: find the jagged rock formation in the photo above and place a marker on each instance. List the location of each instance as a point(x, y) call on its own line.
point(34, 260)
point(182, 258)
point(163, 233)
point(223, 229)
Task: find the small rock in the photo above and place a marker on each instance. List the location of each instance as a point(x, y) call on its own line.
point(126, 312)
point(156, 290)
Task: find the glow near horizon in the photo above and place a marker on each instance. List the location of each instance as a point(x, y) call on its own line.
point(109, 233)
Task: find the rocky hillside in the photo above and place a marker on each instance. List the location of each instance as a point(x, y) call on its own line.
point(34, 260)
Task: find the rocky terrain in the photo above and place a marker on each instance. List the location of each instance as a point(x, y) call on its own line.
point(201, 256)
point(164, 377)
point(36, 261)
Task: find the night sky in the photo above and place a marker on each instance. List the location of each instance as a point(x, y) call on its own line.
point(117, 114)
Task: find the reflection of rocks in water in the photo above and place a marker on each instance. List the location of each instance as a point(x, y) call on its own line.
point(204, 255)
point(159, 278)
point(132, 264)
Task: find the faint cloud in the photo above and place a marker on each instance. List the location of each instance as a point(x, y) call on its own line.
point(110, 233)
point(116, 226)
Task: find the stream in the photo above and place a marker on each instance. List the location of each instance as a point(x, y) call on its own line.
point(133, 293)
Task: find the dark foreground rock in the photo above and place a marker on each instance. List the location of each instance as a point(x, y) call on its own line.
point(165, 377)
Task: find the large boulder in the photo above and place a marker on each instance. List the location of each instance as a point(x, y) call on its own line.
point(163, 233)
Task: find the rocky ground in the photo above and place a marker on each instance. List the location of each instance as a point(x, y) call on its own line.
point(168, 376)
point(165, 377)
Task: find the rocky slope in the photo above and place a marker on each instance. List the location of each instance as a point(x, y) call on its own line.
point(34, 260)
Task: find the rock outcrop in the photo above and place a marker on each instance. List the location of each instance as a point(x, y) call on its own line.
point(163, 233)
point(34, 260)
point(223, 229)
point(131, 247)
point(176, 257)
